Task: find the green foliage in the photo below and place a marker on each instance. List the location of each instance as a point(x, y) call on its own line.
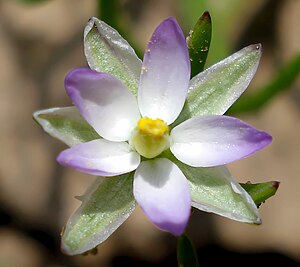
point(260, 97)
point(260, 192)
point(32, 1)
point(198, 43)
point(186, 254)
point(214, 90)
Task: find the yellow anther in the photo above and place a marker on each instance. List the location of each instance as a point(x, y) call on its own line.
point(151, 137)
point(155, 128)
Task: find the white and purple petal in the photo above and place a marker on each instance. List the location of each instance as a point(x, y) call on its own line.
point(101, 157)
point(165, 73)
point(104, 102)
point(161, 190)
point(213, 140)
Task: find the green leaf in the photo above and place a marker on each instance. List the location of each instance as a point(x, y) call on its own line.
point(214, 90)
point(105, 206)
point(198, 43)
point(282, 81)
point(32, 1)
point(214, 190)
point(260, 192)
point(186, 254)
point(108, 12)
point(107, 51)
point(65, 124)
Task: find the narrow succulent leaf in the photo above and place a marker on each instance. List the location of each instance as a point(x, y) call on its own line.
point(214, 90)
point(261, 96)
point(107, 51)
point(65, 124)
point(31, 1)
point(214, 190)
point(198, 43)
point(108, 12)
point(186, 254)
point(260, 192)
point(106, 205)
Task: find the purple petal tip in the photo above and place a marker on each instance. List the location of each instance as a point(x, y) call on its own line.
point(175, 229)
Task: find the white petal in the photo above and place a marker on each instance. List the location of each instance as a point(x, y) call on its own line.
point(104, 102)
point(101, 157)
point(161, 190)
point(165, 73)
point(213, 140)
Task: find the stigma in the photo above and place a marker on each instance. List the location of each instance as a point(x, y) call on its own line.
point(151, 137)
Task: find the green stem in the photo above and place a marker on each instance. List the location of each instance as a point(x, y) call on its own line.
point(186, 253)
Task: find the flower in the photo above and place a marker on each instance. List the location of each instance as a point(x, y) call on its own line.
point(136, 131)
point(152, 135)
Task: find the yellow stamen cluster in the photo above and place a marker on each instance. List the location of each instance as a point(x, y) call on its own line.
point(151, 137)
point(155, 128)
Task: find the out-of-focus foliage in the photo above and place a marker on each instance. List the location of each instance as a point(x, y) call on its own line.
point(32, 1)
point(282, 82)
point(198, 43)
point(186, 255)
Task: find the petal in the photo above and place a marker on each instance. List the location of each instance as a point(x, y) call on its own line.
point(165, 73)
point(101, 157)
point(161, 190)
point(206, 141)
point(215, 89)
point(65, 124)
point(105, 206)
point(104, 102)
point(107, 51)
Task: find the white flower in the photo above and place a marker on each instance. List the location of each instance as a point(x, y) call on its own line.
point(132, 128)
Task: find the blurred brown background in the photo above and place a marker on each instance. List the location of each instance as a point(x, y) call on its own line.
point(41, 43)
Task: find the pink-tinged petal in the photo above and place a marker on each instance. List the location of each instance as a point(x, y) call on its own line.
point(165, 73)
point(214, 140)
point(161, 190)
point(101, 157)
point(104, 102)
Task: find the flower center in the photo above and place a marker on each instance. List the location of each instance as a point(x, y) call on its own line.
point(151, 137)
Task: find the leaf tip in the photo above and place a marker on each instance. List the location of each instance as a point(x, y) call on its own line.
point(256, 47)
point(206, 16)
point(258, 221)
point(275, 185)
point(80, 198)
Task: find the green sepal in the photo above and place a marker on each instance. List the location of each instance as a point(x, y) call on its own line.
point(213, 189)
point(282, 81)
point(65, 124)
point(198, 43)
point(215, 89)
point(186, 254)
point(260, 192)
point(107, 51)
point(105, 206)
